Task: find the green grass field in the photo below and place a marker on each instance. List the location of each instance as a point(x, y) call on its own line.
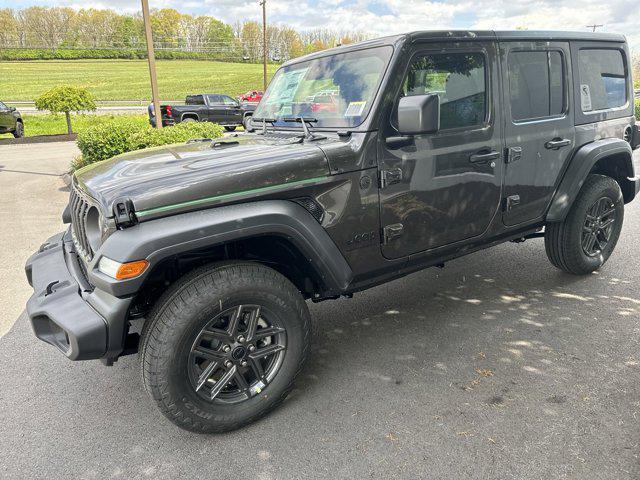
point(128, 79)
point(56, 124)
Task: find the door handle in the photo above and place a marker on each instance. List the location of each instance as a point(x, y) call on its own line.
point(557, 143)
point(484, 157)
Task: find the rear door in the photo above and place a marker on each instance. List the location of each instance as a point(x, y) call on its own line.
point(443, 188)
point(539, 125)
point(216, 109)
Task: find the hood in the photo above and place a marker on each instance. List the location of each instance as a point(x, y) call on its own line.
point(193, 175)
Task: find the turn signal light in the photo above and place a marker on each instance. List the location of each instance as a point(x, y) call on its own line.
point(122, 271)
point(131, 269)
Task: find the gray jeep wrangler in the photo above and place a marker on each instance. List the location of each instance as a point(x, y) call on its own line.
point(366, 163)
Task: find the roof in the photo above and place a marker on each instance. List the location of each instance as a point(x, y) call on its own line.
point(469, 35)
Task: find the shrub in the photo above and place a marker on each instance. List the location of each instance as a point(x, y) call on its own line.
point(66, 99)
point(182, 132)
point(26, 54)
point(638, 109)
point(121, 135)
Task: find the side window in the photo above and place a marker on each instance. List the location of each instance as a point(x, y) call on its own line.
point(228, 100)
point(3, 106)
point(536, 84)
point(194, 100)
point(459, 81)
point(603, 80)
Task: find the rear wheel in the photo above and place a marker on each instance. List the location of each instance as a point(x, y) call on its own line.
point(19, 131)
point(584, 241)
point(224, 345)
point(185, 120)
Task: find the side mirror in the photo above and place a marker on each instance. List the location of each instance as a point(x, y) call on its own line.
point(419, 114)
point(12, 109)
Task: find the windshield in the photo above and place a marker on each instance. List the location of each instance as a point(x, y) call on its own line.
point(337, 90)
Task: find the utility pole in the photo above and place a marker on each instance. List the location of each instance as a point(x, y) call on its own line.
point(264, 42)
point(151, 57)
point(594, 26)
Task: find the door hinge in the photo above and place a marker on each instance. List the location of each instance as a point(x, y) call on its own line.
point(511, 202)
point(513, 154)
point(390, 232)
point(389, 177)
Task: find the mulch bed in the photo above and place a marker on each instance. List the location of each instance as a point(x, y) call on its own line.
point(38, 139)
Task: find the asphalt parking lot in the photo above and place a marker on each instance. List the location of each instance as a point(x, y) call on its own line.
point(497, 367)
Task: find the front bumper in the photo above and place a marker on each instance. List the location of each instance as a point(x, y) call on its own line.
point(66, 312)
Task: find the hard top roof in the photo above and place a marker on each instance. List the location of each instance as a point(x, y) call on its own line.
point(470, 35)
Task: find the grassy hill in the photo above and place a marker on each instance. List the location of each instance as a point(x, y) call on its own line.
point(128, 79)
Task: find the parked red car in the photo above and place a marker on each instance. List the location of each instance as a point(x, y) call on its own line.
point(252, 96)
point(325, 102)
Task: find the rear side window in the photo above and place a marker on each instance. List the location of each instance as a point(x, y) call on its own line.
point(536, 84)
point(603, 80)
point(195, 100)
point(459, 81)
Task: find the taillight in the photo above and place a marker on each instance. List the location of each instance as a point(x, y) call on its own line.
point(169, 110)
point(315, 107)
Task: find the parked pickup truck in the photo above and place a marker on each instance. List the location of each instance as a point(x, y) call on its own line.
point(207, 107)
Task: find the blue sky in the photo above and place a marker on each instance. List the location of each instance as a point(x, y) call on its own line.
point(383, 17)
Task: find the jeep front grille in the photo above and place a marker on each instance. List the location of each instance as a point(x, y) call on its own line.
point(79, 208)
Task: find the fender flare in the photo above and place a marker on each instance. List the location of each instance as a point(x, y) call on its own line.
point(156, 240)
point(190, 113)
point(579, 168)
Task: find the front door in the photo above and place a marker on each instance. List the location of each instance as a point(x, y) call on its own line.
point(539, 125)
point(6, 118)
point(217, 110)
point(442, 188)
point(233, 111)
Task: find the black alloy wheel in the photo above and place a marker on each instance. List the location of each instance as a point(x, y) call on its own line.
point(237, 354)
point(598, 226)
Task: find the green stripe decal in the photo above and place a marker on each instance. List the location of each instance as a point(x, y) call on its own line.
point(227, 196)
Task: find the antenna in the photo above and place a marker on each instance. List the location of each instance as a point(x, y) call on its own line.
point(594, 26)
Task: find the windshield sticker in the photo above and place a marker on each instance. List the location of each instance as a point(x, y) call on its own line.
point(585, 98)
point(355, 109)
point(288, 86)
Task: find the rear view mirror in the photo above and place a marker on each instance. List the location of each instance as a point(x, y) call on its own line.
point(419, 114)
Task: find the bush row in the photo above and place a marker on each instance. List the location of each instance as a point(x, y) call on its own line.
point(638, 109)
point(121, 135)
point(9, 54)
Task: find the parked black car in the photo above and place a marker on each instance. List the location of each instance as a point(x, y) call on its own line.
point(11, 121)
point(207, 107)
point(438, 144)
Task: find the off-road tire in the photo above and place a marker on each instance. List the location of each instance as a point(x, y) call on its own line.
point(19, 131)
point(180, 314)
point(563, 240)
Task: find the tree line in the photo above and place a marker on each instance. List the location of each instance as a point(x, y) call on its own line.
point(66, 28)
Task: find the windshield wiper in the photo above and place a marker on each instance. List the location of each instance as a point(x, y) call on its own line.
point(306, 123)
point(264, 121)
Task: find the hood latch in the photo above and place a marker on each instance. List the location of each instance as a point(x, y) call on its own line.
point(124, 213)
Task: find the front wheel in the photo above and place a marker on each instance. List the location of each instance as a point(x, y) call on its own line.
point(230, 128)
point(585, 240)
point(224, 345)
point(19, 131)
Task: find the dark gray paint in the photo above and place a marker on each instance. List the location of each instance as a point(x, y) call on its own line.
point(181, 173)
point(448, 205)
